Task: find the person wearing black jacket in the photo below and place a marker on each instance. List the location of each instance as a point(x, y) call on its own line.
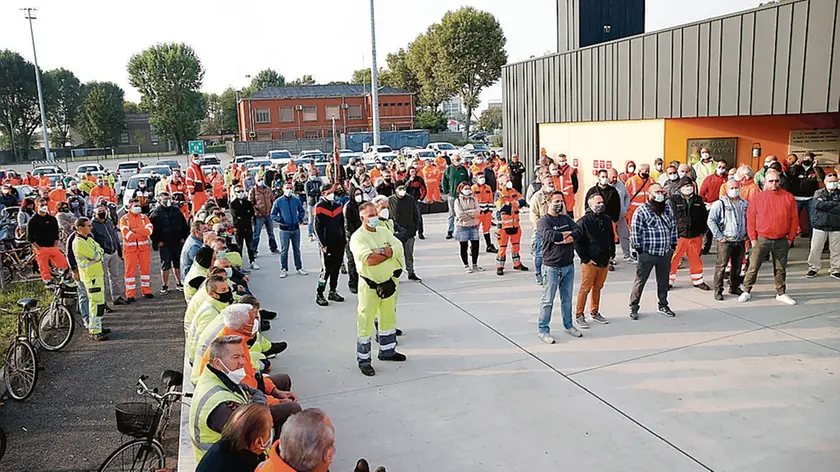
point(416, 187)
point(352, 222)
point(9, 197)
point(244, 438)
point(106, 234)
point(612, 200)
point(329, 227)
point(596, 248)
point(490, 178)
point(168, 236)
point(805, 180)
point(826, 228)
point(517, 171)
point(313, 195)
point(404, 211)
point(690, 214)
point(386, 185)
point(42, 232)
point(242, 213)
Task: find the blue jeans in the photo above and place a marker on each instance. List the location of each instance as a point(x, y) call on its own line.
point(310, 209)
point(536, 250)
point(809, 211)
point(554, 278)
point(84, 304)
point(259, 223)
point(294, 237)
point(451, 201)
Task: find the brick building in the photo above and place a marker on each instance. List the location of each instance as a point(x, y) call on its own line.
point(305, 112)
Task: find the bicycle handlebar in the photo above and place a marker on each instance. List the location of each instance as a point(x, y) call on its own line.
point(143, 389)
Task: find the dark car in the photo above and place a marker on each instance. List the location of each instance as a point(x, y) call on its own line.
point(209, 160)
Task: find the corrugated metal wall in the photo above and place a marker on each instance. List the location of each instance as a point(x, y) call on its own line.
point(782, 59)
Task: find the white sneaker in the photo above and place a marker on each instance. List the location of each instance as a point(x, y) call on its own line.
point(302, 272)
point(785, 298)
point(254, 266)
point(546, 338)
point(468, 269)
point(478, 268)
point(574, 332)
point(282, 273)
point(311, 238)
point(744, 297)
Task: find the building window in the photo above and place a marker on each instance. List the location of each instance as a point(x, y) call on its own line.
point(311, 134)
point(288, 136)
point(263, 115)
point(354, 112)
point(287, 115)
point(124, 137)
point(310, 113)
point(332, 111)
point(153, 137)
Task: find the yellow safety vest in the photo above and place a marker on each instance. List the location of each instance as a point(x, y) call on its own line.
point(210, 392)
point(195, 271)
point(209, 311)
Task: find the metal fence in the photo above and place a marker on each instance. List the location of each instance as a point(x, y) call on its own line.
point(261, 148)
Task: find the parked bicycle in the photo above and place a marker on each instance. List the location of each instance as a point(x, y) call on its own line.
point(146, 423)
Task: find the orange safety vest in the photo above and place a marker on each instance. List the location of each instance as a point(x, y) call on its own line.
point(440, 162)
point(195, 176)
point(431, 174)
point(509, 197)
point(290, 168)
point(477, 169)
point(44, 182)
point(274, 463)
point(484, 197)
point(32, 181)
point(563, 183)
point(638, 190)
point(218, 184)
point(375, 173)
point(104, 191)
point(136, 230)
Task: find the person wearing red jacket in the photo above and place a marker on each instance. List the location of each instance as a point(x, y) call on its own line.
point(772, 223)
point(710, 193)
point(197, 184)
point(136, 229)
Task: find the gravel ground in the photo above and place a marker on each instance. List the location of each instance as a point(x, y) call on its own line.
point(68, 423)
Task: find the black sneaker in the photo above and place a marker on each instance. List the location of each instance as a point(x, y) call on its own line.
point(634, 314)
point(367, 369)
point(521, 267)
point(179, 287)
point(353, 290)
point(267, 314)
point(500, 271)
point(128, 301)
point(397, 357)
point(148, 295)
point(108, 309)
point(611, 267)
point(719, 296)
point(414, 278)
point(265, 325)
point(120, 301)
point(421, 237)
point(735, 291)
point(275, 251)
point(164, 290)
point(664, 310)
point(492, 248)
point(335, 297)
point(343, 269)
point(448, 235)
point(362, 465)
point(399, 331)
point(276, 348)
point(703, 287)
point(811, 274)
point(320, 300)
point(836, 275)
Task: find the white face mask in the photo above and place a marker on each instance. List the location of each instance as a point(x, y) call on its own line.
point(631, 169)
point(659, 197)
point(509, 185)
point(384, 213)
point(400, 193)
point(240, 195)
point(602, 181)
point(228, 270)
point(705, 156)
point(466, 192)
point(136, 210)
point(554, 172)
point(721, 171)
point(481, 181)
point(733, 192)
point(235, 376)
point(687, 190)
point(287, 192)
point(44, 209)
point(330, 197)
point(681, 174)
point(673, 176)
point(256, 327)
point(479, 161)
point(358, 198)
point(831, 185)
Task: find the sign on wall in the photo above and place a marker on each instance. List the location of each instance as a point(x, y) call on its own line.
point(825, 143)
point(719, 148)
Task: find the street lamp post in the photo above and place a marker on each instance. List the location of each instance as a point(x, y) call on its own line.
point(374, 78)
point(30, 15)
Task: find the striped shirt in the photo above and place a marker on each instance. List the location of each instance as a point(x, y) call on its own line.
point(652, 233)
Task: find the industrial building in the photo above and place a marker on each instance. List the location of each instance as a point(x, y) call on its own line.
point(749, 84)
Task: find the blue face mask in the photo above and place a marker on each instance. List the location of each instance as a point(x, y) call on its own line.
point(373, 222)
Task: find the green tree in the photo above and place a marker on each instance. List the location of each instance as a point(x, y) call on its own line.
point(131, 108)
point(305, 80)
point(102, 113)
point(433, 120)
point(19, 112)
point(169, 77)
point(264, 79)
point(471, 47)
point(401, 75)
point(227, 104)
point(490, 119)
point(63, 101)
point(362, 76)
point(212, 114)
point(423, 59)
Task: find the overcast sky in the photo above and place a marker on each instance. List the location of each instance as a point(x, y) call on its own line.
point(326, 38)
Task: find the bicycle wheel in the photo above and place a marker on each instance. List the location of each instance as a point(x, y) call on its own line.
point(138, 455)
point(21, 370)
point(55, 327)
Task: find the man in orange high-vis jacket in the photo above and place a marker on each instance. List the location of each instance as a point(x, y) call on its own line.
point(440, 163)
point(637, 188)
point(136, 228)
point(566, 181)
point(44, 182)
point(217, 182)
point(58, 195)
point(431, 175)
point(103, 190)
point(486, 204)
point(509, 229)
point(196, 184)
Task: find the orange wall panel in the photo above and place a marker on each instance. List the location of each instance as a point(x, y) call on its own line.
point(773, 132)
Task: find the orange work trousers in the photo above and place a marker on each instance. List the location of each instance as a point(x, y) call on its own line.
point(503, 239)
point(592, 280)
point(690, 247)
point(485, 220)
point(433, 191)
point(137, 257)
point(45, 255)
point(198, 201)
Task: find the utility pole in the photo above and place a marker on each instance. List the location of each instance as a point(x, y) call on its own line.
point(29, 14)
point(374, 78)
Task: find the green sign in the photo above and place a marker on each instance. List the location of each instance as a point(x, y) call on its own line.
point(197, 147)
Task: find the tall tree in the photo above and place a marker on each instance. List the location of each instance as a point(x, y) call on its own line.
point(19, 112)
point(362, 76)
point(169, 77)
point(212, 114)
point(131, 108)
point(433, 120)
point(401, 75)
point(63, 101)
point(490, 119)
point(264, 79)
point(227, 104)
point(102, 113)
point(471, 46)
point(424, 60)
point(304, 80)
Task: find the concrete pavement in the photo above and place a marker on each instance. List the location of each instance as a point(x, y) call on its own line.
point(724, 386)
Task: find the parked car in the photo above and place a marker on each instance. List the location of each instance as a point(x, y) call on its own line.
point(47, 169)
point(209, 159)
point(208, 169)
point(242, 159)
point(131, 187)
point(471, 150)
point(83, 168)
point(309, 152)
point(25, 191)
point(421, 154)
point(159, 169)
point(443, 148)
point(256, 163)
point(172, 163)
